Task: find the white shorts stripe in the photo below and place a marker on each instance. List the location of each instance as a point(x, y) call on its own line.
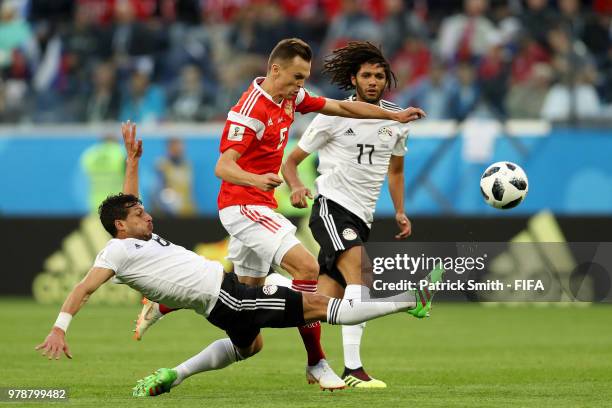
point(251, 304)
point(255, 217)
point(328, 221)
point(264, 217)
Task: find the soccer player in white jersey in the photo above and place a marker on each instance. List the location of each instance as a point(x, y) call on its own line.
point(170, 274)
point(355, 156)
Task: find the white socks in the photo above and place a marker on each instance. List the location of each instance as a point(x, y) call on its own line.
point(217, 355)
point(354, 311)
point(351, 335)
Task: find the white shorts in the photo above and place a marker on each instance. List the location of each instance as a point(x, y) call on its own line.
point(260, 238)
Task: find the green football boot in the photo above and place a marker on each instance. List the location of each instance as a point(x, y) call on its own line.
point(157, 383)
point(423, 297)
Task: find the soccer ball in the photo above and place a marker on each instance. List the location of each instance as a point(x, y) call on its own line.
point(504, 185)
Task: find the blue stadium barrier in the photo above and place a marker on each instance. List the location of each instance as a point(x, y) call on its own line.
point(569, 170)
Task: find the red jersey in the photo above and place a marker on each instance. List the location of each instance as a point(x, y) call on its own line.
point(257, 127)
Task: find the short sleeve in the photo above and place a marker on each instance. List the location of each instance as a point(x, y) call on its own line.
point(316, 134)
point(400, 145)
point(236, 136)
point(305, 102)
point(113, 256)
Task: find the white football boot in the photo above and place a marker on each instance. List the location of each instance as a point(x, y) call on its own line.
point(148, 316)
point(323, 374)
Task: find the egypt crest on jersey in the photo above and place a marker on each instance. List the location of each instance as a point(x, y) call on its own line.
point(257, 128)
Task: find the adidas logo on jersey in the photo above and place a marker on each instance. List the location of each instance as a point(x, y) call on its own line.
point(349, 132)
point(270, 122)
point(138, 246)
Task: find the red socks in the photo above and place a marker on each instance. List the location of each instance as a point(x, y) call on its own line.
point(311, 333)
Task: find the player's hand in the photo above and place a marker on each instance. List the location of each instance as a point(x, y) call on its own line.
point(298, 197)
point(409, 115)
point(405, 226)
point(133, 147)
point(54, 345)
point(268, 181)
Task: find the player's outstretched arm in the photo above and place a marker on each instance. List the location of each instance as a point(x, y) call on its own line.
point(289, 170)
point(396, 189)
point(133, 148)
point(227, 169)
point(362, 110)
point(55, 343)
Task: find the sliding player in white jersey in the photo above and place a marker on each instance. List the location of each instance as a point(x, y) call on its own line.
point(355, 156)
point(172, 275)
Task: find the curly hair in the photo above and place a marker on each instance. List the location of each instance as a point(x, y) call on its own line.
point(344, 63)
point(116, 207)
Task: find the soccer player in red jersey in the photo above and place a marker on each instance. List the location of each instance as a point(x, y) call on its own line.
point(252, 146)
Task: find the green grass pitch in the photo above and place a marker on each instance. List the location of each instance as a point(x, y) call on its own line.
point(464, 355)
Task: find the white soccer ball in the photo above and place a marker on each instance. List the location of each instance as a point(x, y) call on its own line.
point(504, 185)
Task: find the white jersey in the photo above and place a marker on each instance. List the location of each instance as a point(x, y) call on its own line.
point(164, 272)
point(354, 157)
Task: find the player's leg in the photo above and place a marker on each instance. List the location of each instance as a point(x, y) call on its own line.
point(149, 315)
point(340, 235)
point(242, 310)
point(349, 264)
point(244, 340)
point(219, 354)
point(304, 269)
point(319, 372)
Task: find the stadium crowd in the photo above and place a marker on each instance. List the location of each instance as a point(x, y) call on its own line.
point(67, 61)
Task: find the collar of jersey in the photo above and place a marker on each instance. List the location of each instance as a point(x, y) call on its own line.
point(256, 82)
point(353, 98)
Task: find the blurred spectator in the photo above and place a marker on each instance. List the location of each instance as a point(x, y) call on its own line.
point(49, 70)
point(127, 37)
point(430, 93)
point(529, 54)
point(51, 11)
point(174, 195)
point(102, 104)
point(465, 95)
point(81, 39)
point(537, 19)
point(568, 100)
point(571, 18)
point(398, 26)
point(494, 76)
point(191, 102)
point(14, 33)
point(507, 24)
point(11, 101)
point(104, 165)
point(526, 98)
point(352, 23)
point(142, 102)
point(411, 63)
point(467, 35)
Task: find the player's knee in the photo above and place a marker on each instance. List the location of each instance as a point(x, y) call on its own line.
point(309, 270)
point(254, 348)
